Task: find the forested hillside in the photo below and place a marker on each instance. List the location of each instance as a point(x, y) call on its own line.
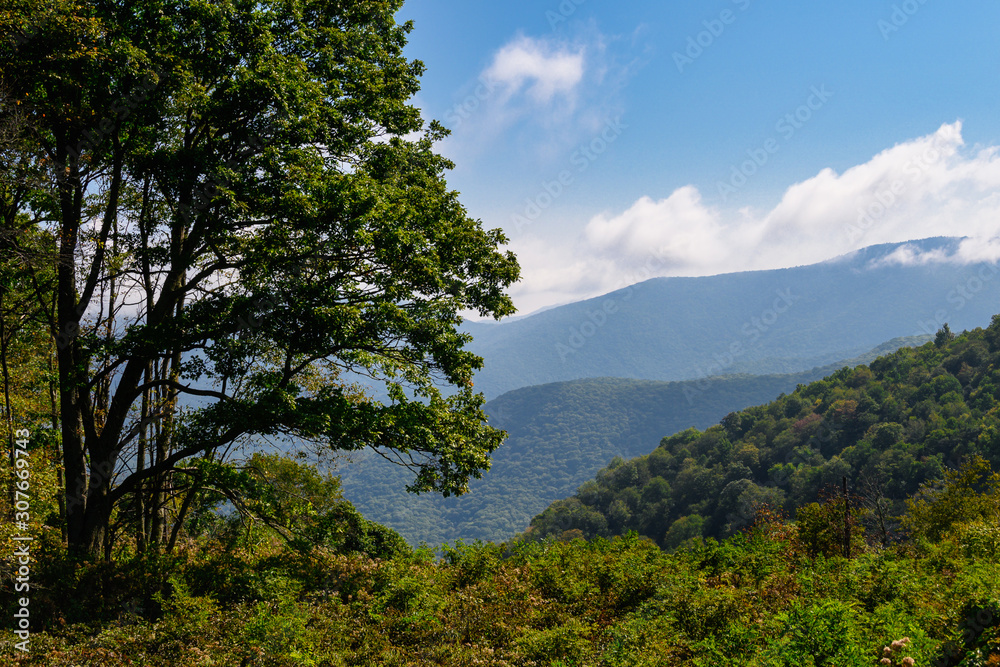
point(560, 435)
point(887, 427)
point(239, 596)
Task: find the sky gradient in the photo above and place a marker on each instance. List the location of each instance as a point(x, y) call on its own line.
point(619, 141)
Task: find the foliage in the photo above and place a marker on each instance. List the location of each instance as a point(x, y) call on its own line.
point(299, 502)
point(754, 599)
point(821, 527)
point(248, 206)
point(968, 498)
point(903, 420)
point(297, 577)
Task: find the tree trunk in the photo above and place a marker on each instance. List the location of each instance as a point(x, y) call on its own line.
point(70, 361)
point(74, 461)
point(60, 476)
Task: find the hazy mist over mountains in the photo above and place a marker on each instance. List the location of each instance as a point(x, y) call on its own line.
point(776, 321)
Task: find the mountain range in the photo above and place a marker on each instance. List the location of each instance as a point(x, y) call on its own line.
point(579, 384)
point(758, 322)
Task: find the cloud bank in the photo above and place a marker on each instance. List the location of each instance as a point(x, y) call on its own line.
point(929, 186)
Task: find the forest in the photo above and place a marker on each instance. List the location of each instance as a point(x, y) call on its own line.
point(340, 592)
point(888, 427)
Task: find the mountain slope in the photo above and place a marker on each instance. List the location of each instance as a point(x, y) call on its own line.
point(887, 428)
point(560, 435)
point(759, 322)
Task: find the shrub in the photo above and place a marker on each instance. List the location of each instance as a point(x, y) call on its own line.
point(969, 494)
point(566, 644)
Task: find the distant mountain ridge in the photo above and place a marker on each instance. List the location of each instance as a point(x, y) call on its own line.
point(759, 322)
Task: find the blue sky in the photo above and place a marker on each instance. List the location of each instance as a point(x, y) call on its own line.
point(619, 141)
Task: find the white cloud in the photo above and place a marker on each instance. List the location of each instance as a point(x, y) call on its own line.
point(538, 67)
point(912, 255)
point(535, 79)
point(928, 186)
point(974, 250)
point(539, 94)
point(677, 227)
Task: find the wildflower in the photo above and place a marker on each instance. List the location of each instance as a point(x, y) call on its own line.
point(909, 662)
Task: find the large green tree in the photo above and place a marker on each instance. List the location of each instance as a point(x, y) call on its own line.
point(247, 208)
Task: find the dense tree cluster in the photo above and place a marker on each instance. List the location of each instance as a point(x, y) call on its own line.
point(888, 427)
point(765, 596)
point(212, 214)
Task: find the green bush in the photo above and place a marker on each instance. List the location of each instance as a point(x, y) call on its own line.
point(568, 644)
